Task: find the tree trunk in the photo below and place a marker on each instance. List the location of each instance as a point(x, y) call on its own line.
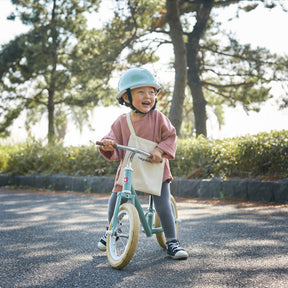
point(199, 103)
point(194, 72)
point(52, 84)
point(176, 34)
point(51, 131)
point(194, 83)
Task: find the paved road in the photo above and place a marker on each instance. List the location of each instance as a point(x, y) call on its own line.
point(49, 240)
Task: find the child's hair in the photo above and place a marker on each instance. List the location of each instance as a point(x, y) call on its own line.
point(122, 102)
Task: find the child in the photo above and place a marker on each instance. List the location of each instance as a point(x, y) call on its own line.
point(137, 89)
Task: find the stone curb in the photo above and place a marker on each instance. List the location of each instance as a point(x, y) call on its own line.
point(249, 190)
point(60, 183)
point(216, 188)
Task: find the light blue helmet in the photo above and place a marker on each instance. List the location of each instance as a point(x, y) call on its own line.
point(134, 78)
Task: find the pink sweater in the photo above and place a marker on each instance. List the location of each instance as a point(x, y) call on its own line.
point(155, 127)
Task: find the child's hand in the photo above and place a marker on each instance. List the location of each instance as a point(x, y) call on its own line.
point(108, 145)
point(157, 154)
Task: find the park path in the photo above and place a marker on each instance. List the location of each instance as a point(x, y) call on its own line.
point(49, 239)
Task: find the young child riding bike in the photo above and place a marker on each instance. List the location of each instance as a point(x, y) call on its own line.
point(137, 89)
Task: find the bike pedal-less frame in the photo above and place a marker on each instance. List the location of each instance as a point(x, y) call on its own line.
point(123, 232)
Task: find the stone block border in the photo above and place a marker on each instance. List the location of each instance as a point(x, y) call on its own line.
point(59, 183)
point(217, 188)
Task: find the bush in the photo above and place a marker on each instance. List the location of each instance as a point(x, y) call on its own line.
point(5, 154)
point(34, 158)
point(262, 155)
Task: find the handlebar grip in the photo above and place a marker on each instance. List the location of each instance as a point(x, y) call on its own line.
point(131, 149)
point(100, 143)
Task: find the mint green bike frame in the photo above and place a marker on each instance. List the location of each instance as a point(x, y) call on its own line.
point(129, 193)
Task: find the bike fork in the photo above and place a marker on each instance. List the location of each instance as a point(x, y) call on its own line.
point(150, 212)
point(125, 194)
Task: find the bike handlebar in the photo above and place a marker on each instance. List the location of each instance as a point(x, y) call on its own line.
point(128, 148)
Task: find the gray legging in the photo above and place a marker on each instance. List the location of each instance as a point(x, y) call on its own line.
point(162, 206)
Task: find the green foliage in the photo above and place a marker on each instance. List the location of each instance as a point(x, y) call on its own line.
point(6, 151)
point(62, 67)
point(192, 153)
point(55, 67)
point(261, 155)
point(264, 155)
point(33, 157)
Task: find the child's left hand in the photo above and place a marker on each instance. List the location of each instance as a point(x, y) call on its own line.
point(157, 154)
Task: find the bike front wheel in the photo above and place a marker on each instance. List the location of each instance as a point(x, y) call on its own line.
point(160, 236)
point(122, 245)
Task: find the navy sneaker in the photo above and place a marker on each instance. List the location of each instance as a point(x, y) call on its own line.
point(175, 251)
point(102, 243)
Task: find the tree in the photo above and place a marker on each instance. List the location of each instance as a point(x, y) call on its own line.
point(176, 34)
point(65, 63)
point(225, 70)
point(220, 69)
point(58, 63)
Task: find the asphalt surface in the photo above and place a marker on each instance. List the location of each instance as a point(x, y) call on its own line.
point(49, 239)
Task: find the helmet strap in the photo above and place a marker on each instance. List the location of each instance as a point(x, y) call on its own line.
point(134, 108)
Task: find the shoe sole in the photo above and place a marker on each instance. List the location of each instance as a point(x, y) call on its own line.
point(101, 247)
point(179, 256)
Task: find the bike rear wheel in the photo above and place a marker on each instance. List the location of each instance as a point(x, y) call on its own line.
point(122, 245)
point(160, 236)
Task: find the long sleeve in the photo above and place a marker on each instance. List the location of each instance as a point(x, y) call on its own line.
point(168, 141)
point(119, 134)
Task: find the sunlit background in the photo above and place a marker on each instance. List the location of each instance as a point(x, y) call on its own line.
point(261, 27)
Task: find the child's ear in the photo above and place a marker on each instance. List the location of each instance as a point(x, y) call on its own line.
point(126, 98)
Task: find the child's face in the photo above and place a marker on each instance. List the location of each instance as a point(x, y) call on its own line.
point(143, 98)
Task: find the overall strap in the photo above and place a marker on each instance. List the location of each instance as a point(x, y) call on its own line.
point(132, 131)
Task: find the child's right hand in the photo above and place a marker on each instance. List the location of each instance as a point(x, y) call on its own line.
point(108, 145)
